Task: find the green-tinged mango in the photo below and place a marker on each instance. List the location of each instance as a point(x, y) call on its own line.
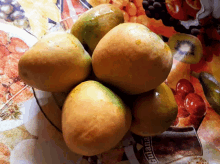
point(154, 111)
point(95, 23)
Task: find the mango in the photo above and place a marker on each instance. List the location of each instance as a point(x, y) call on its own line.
point(56, 63)
point(92, 25)
point(132, 58)
point(94, 119)
point(154, 111)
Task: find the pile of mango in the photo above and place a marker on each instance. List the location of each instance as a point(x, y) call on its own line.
point(114, 74)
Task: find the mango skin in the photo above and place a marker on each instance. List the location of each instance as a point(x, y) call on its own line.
point(94, 119)
point(154, 111)
point(132, 58)
point(92, 25)
point(56, 63)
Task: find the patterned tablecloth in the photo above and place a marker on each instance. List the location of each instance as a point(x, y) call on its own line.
point(30, 119)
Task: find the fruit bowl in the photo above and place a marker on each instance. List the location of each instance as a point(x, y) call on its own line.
point(131, 144)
